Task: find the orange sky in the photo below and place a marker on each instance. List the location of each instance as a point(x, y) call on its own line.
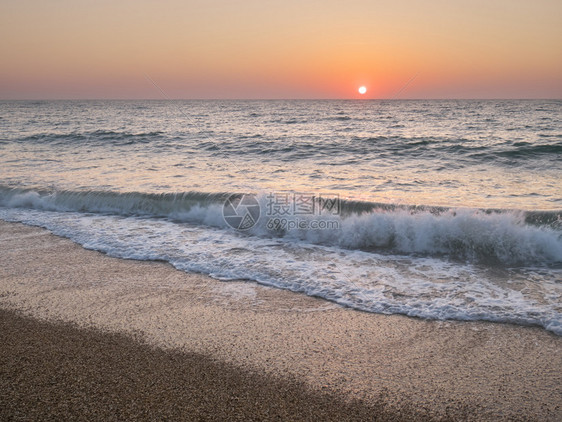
point(280, 49)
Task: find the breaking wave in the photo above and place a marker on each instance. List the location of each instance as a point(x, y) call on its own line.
point(489, 237)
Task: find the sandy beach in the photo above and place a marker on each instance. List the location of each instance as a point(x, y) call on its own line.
point(87, 336)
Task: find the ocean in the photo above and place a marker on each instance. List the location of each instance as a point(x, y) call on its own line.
point(433, 209)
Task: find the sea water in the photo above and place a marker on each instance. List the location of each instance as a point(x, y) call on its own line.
point(435, 209)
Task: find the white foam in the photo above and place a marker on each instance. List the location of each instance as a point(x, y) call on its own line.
point(415, 286)
point(466, 234)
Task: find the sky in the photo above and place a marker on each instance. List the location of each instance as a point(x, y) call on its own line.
point(260, 49)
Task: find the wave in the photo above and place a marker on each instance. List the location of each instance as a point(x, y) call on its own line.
point(450, 150)
point(165, 205)
point(524, 149)
point(490, 237)
point(96, 136)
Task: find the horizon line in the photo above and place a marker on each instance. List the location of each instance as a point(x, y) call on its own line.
point(285, 99)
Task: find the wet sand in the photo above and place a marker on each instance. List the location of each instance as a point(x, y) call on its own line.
point(237, 349)
point(59, 372)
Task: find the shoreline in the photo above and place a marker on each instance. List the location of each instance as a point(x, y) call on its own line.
point(437, 369)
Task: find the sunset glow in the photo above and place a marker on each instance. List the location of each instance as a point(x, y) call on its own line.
point(221, 49)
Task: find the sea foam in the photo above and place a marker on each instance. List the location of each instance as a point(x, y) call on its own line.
point(498, 237)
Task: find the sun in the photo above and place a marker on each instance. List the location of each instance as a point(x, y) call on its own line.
point(362, 90)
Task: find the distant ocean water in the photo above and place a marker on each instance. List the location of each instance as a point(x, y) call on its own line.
point(436, 209)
